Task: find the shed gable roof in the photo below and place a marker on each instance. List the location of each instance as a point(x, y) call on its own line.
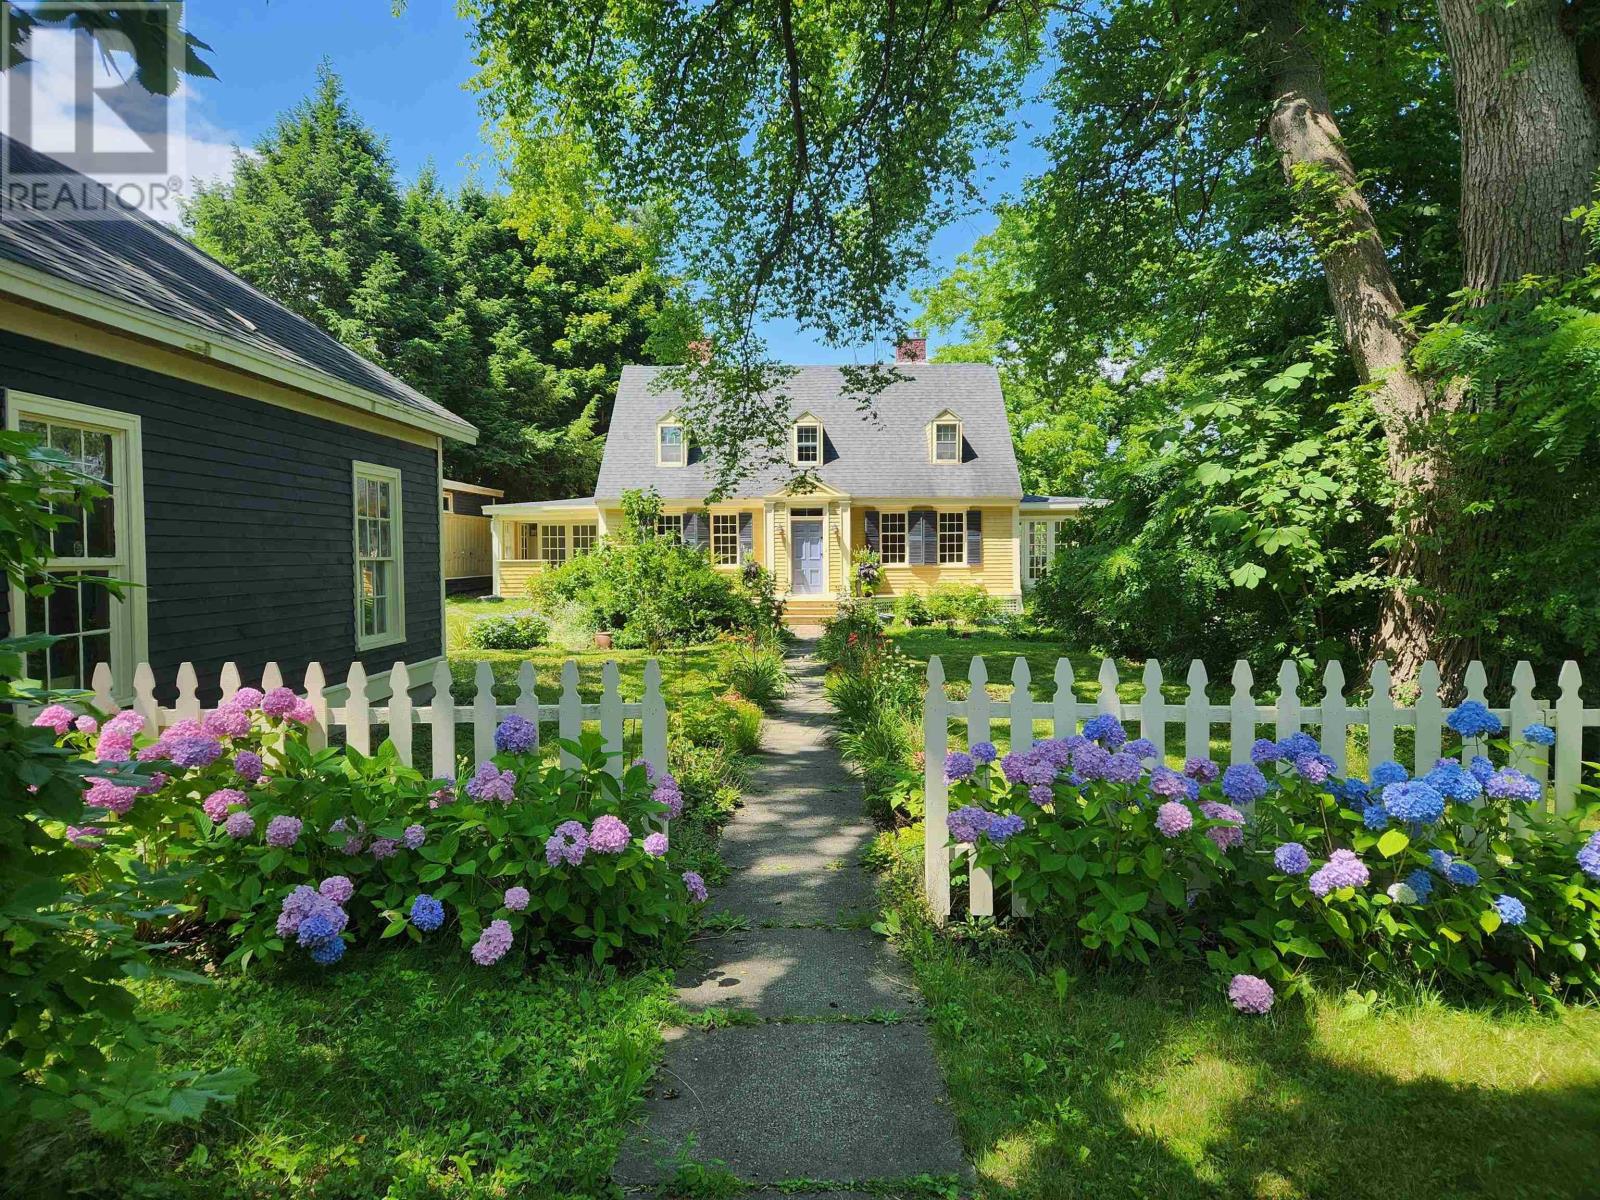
point(134, 260)
point(880, 454)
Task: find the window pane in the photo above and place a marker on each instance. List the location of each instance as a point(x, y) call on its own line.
point(952, 537)
point(64, 664)
point(63, 610)
point(33, 611)
point(892, 538)
point(37, 428)
point(97, 456)
point(94, 606)
point(68, 536)
point(101, 521)
point(725, 538)
point(383, 489)
point(385, 539)
point(67, 440)
point(95, 649)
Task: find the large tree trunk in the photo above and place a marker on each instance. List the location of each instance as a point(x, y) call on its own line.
point(1319, 172)
point(1530, 138)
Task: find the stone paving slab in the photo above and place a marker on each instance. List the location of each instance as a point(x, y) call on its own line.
point(797, 973)
point(834, 896)
point(811, 1101)
point(780, 846)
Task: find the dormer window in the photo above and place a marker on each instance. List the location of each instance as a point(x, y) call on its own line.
point(808, 443)
point(671, 445)
point(946, 440)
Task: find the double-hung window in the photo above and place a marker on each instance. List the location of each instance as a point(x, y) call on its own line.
point(947, 442)
point(808, 444)
point(670, 525)
point(553, 544)
point(725, 539)
point(892, 539)
point(952, 538)
point(670, 445)
point(379, 537)
point(584, 538)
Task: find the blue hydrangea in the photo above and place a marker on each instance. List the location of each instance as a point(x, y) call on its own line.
point(1512, 911)
point(1454, 782)
point(1244, 783)
point(1414, 802)
point(1141, 748)
point(1354, 790)
point(1192, 788)
point(1296, 745)
point(427, 914)
point(1375, 815)
point(1461, 874)
point(1589, 857)
point(1106, 730)
point(1421, 883)
point(1004, 826)
point(1473, 720)
point(983, 752)
point(1511, 784)
point(1480, 768)
point(1123, 768)
point(327, 953)
point(1291, 858)
point(1388, 772)
point(516, 735)
point(958, 764)
point(1439, 861)
point(1539, 734)
point(1264, 751)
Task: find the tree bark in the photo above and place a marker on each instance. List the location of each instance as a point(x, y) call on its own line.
point(1319, 172)
point(1530, 139)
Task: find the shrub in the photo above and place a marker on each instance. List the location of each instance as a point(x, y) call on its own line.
point(759, 676)
point(730, 724)
point(911, 609)
point(761, 589)
point(513, 631)
point(967, 602)
point(855, 630)
point(572, 625)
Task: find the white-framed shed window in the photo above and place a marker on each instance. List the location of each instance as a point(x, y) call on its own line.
point(584, 537)
point(104, 540)
point(947, 441)
point(952, 538)
point(808, 443)
point(892, 539)
point(553, 544)
point(380, 566)
point(1040, 535)
point(670, 525)
point(671, 445)
point(725, 539)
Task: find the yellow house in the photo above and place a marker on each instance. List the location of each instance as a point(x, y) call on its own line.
point(927, 479)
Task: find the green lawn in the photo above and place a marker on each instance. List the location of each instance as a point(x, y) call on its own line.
point(1149, 1085)
point(408, 1073)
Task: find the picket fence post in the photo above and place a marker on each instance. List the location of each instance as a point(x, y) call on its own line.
point(144, 697)
point(1288, 706)
point(1064, 705)
point(1197, 714)
point(611, 716)
point(1569, 737)
point(188, 706)
point(1476, 681)
point(1335, 729)
point(527, 701)
point(229, 681)
point(1021, 705)
point(980, 886)
point(1429, 714)
point(1241, 714)
point(569, 712)
point(1524, 711)
point(357, 716)
point(935, 799)
point(442, 716)
point(1109, 703)
point(400, 711)
point(483, 714)
point(1153, 710)
point(653, 718)
point(316, 684)
point(1380, 717)
point(102, 685)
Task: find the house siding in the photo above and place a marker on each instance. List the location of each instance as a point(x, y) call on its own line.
point(248, 520)
point(997, 574)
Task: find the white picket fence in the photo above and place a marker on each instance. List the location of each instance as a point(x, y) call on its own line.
point(357, 716)
point(1330, 714)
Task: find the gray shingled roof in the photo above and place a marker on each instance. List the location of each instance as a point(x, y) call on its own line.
point(132, 258)
point(881, 456)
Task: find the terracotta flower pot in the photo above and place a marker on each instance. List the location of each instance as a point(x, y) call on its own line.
point(602, 641)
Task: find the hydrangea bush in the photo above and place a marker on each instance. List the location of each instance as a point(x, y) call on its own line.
point(1265, 866)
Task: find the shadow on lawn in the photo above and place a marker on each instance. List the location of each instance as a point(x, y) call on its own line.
point(1133, 1091)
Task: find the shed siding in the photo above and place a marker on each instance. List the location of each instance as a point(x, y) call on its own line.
point(248, 520)
point(997, 574)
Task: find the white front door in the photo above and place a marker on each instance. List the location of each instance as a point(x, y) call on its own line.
point(100, 541)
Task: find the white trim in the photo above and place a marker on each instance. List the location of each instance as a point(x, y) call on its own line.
point(805, 421)
point(397, 537)
point(532, 507)
point(455, 485)
point(129, 493)
point(945, 418)
point(60, 295)
point(1060, 505)
point(683, 442)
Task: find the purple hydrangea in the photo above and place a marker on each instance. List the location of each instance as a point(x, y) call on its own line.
point(1164, 781)
point(279, 702)
point(1203, 770)
point(668, 792)
point(296, 905)
point(1314, 768)
point(516, 899)
point(325, 920)
point(427, 914)
point(1243, 783)
point(655, 845)
point(1141, 748)
point(1005, 826)
point(1297, 745)
point(958, 765)
point(383, 848)
point(1231, 832)
point(239, 825)
point(695, 886)
point(1251, 994)
point(568, 844)
point(247, 765)
point(609, 835)
point(442, 795)
point(516, 735)
point(283, 831)
point(492, 943)
point(983, 753)
point(217, 805)
point(337, 888)
point(413, 837)
point(1343, 869)
point(1413, 802)
point(1589, 857)
point(1041, 794)
point(1089, 762)
point(84, 835)
point(1473, 720)
point(1512, 911)
point(1123, 767)
point(194, 750)
point(1539, 734)
point(1263, 751)
point(1173, 819)
point(966, 824)
point(1291, 858)
point(490, 783)
point(227, 721)
point(1508, 783)
point(1106, 730)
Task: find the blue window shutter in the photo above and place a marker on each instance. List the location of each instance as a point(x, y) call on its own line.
point(869, 525)
point(695, 532)
point(974, 537)
point(747, 536)
point(922, 537)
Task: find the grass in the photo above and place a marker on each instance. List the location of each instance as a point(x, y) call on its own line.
point(1089, 1085)
point(400, 1075)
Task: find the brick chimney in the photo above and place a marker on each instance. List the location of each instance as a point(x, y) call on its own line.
point(911, 348)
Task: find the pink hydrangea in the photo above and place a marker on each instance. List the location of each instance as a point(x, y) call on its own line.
point(609, 835)
point(516, 899)
point(302, 713)
point(1250, 994)
point(87, 836)
point(154, 752)
point(1173, 818)
point(1225, 836)
point(114, 748)
point(188, 727)
point(656, 845)
point(246, 698)
point(668, 792)
point(283, 831)
point(442, 795)
point(56, 717)
point(492, 943)
point(222, 801)
point(125, 724)
point(156, 783)
point(227, 721)
point(239, 825)
point(279, 702)
point(86, 724)
point(117, 798)
point(337, 888)
point(695, 886)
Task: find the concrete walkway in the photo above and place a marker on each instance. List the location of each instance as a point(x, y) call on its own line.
point(828, 1074)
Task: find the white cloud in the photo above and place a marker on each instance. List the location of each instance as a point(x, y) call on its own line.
point(108, 118)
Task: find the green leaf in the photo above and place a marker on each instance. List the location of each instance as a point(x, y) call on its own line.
point(1489, 919)
point(1392, 843)
point(1247, 575)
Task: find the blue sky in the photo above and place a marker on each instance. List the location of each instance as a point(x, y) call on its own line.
point(405, 76)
